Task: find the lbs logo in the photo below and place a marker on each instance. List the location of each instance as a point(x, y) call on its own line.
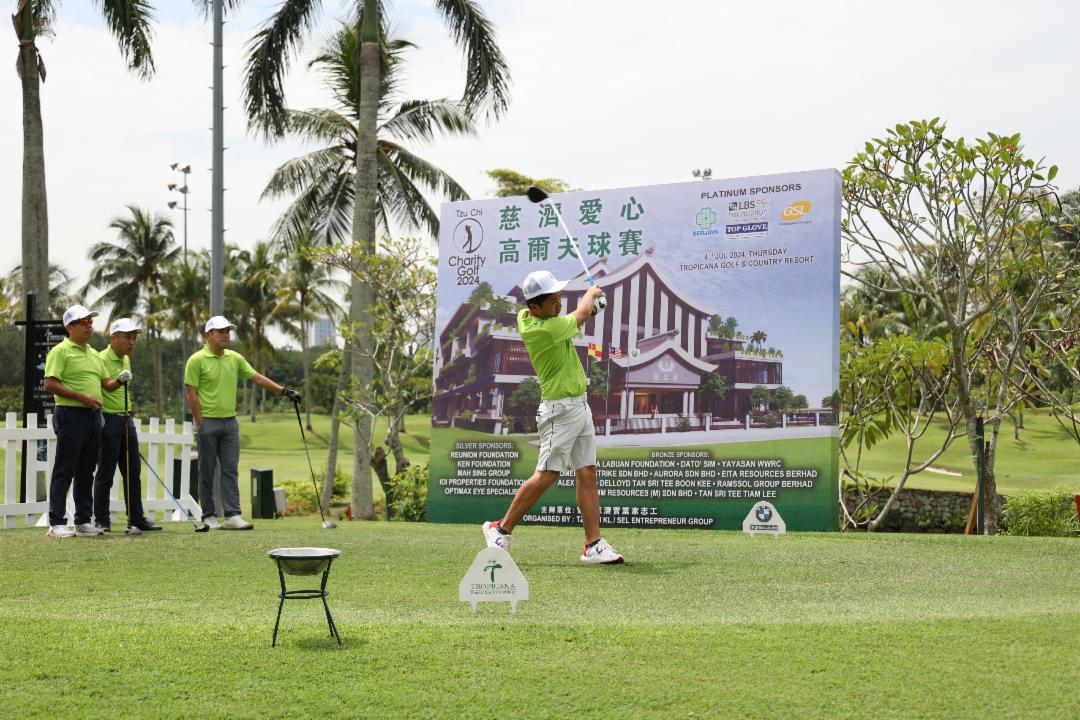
point(797, 213)
point(748, 210)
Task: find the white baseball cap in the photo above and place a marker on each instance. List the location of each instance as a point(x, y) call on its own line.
point(218, 322)
point(541, 282)
point(76, 313)
point(123, 325)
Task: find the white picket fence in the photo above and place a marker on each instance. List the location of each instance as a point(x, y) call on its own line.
point(153, 441)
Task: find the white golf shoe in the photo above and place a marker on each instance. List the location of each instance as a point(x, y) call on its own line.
point(236, 522)
point(88, 530)
point(601, 554)
point(494, 538)
point(60, 531)
point(211, 522)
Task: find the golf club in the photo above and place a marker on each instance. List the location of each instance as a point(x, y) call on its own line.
point(326, 524)
point(187, 513)
point(131, 530)
point(538, 196)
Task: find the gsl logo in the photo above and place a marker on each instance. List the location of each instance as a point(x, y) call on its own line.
point(796, 211)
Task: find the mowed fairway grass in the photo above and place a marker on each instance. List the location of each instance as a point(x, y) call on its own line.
point(696, 624)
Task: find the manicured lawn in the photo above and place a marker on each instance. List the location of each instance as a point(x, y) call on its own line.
point(1043, 457)
point(697, 624)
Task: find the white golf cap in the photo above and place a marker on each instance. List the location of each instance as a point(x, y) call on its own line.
point(541, 282)
point(218, 322)
point(76, 313)
point(123, 325)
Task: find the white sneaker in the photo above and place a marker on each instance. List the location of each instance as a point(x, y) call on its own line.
point(601, 554)
point(236, 523)
point(211, 522)
point(494, 538)
point(88, 530)
point(60, 531)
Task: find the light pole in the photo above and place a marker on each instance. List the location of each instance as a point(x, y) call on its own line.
point(183, 190)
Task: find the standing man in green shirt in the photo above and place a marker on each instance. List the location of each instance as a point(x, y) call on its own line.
point(75, 376)
point(564, 419)
point(210, 377)
point(116, 412)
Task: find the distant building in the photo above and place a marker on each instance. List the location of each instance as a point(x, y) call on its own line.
point(321, 332)
point(662, 348)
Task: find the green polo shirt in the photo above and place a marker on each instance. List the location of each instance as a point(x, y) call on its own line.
point(77, 368)
point(549, 342)
point(216, 377)
point(113, 402)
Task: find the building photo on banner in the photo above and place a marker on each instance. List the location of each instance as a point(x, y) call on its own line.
point(711, 372)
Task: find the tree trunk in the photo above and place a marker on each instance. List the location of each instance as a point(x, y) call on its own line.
point(393, 439)
point(35, 214)
point(363, 236)
point(959, 360)
point(335, 428)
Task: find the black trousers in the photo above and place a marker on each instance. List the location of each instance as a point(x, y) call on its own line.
point(111, 455)
point(78, 435)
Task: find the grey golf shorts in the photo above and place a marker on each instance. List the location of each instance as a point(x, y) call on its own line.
point(567, 434)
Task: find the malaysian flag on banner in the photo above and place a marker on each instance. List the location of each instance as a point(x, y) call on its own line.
point(596, 350)
point(616, 353)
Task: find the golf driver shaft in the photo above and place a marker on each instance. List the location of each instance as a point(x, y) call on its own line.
point(311, 468)
point(187, 513)
point(601, 302)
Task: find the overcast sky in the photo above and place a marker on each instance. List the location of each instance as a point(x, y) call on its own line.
point(605, 93)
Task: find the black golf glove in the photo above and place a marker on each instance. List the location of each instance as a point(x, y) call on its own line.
point(291, 394)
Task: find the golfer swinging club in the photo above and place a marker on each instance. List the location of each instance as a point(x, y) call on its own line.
point(564, 419)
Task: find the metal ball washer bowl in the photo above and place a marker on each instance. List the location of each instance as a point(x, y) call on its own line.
point(304, 561)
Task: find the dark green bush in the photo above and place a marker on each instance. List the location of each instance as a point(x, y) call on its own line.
point(408, 494)
point(1041, 512)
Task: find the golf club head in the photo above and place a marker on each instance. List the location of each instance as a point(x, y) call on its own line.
point(203, 528)
point(329, 524)
point(536, 194)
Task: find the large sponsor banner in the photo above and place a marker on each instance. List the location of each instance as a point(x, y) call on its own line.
point(711, 372)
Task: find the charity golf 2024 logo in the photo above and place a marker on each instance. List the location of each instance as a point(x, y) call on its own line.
point(493, 576)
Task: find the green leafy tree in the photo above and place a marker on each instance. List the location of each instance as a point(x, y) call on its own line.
point(972, 233)
point(306, 290)
point(525, 397)
point(486, 90)
point(712, 388)
point(510, 183)
point(800, 402)
point(252, 295)
point(129, 21)
point(758, 338)
point(760, 397)
point(131, 274)
point(783, 398)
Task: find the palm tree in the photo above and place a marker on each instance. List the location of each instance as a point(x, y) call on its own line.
point(253, 299)
point(129, 22)
point(189, 304)
point(758, 338)
point(270, 53)
point(132, 273)
point(304, 288)
point(323, 181)
point(61, 295)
